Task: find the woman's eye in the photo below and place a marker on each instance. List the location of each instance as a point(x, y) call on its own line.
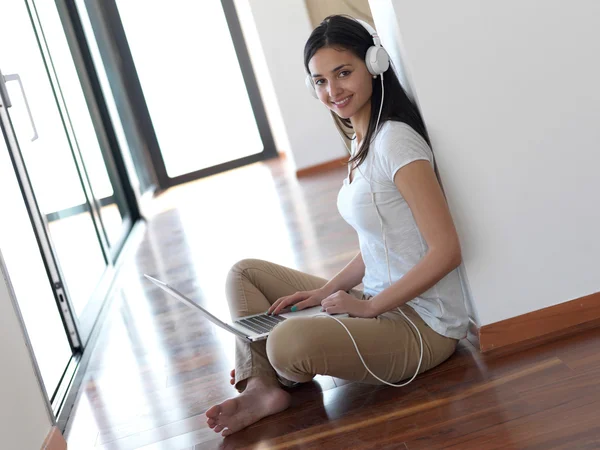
point(318, 82)
point(344, 73)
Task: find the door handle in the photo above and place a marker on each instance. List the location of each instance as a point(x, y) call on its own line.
point(7, 103)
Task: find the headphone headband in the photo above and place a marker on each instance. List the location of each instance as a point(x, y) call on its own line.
point(372, 31)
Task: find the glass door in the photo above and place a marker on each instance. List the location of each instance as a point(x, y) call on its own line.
point(42, 137)
point(98, 164)
point(62, 154)
point(67, 203)
point(190, 82)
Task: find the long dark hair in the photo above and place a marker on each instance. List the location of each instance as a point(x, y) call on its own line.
point(343, 32)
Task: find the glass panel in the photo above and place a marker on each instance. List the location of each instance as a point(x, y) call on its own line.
point(112, 206)
point(29, 279)
point(107, 92)
point(192, 82)
point(49, 160)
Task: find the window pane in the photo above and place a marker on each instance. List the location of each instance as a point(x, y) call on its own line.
point(192, 82)
point(29, 279)
point(112, 204)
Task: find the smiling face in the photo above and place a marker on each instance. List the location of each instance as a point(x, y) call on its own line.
point(342, 82)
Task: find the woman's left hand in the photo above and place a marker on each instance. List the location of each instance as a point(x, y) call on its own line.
point(341, 302)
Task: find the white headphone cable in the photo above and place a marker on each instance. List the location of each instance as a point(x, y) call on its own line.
point(387, 259)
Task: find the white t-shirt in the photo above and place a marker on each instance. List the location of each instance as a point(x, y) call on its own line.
point(442, 307)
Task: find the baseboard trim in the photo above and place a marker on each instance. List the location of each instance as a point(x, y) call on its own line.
point(54, 440)
point(335, 164)
point(540, 326)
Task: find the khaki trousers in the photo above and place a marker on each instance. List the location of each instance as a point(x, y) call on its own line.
point(300, 348)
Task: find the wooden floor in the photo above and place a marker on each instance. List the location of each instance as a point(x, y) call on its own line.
point(158, 366)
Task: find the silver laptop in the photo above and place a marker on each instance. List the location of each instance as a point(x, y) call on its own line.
point(250, 328)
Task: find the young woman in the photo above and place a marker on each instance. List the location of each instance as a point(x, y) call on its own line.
point(411, 313)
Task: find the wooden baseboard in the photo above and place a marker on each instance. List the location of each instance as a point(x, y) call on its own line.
point(335, 164)
point(54, 440)
point(537, 327)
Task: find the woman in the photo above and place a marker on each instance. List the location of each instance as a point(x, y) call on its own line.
point(411, 313)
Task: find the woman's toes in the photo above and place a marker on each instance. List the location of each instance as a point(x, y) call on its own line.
point(219, 428)
point(211, 423)
point(213, 411)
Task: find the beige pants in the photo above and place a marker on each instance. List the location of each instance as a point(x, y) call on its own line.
point(300, 348)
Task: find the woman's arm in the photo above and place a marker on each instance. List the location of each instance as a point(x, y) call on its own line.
point(347, 278)
point(420, 188)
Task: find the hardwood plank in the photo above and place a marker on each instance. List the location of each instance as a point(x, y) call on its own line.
point(545, 416)
point(495, 423)
point(580, 352)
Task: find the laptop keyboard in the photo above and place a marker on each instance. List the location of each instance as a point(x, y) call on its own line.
point(261, 324)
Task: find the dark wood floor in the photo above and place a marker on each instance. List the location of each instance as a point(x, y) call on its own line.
point(158, 366)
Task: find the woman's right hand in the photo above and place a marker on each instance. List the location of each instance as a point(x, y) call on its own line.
point(302, 300)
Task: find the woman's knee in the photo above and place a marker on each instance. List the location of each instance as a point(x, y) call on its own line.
point(242, 266)
point(240, 271)
point(290, 348)
point(235, 289)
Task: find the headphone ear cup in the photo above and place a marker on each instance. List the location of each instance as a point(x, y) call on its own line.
point(310, 86)
point(377, 60)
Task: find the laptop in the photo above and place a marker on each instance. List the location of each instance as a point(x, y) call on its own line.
point(256, 327)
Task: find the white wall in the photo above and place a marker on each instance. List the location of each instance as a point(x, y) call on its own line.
point(509, 91)
point(276, 32)
point(263, 76)
point(386, 24)
point(24, 420)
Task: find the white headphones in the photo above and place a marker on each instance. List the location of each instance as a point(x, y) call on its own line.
point(376, 59)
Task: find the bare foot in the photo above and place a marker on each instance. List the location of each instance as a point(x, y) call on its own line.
point(262, 398)
point(232, 375)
